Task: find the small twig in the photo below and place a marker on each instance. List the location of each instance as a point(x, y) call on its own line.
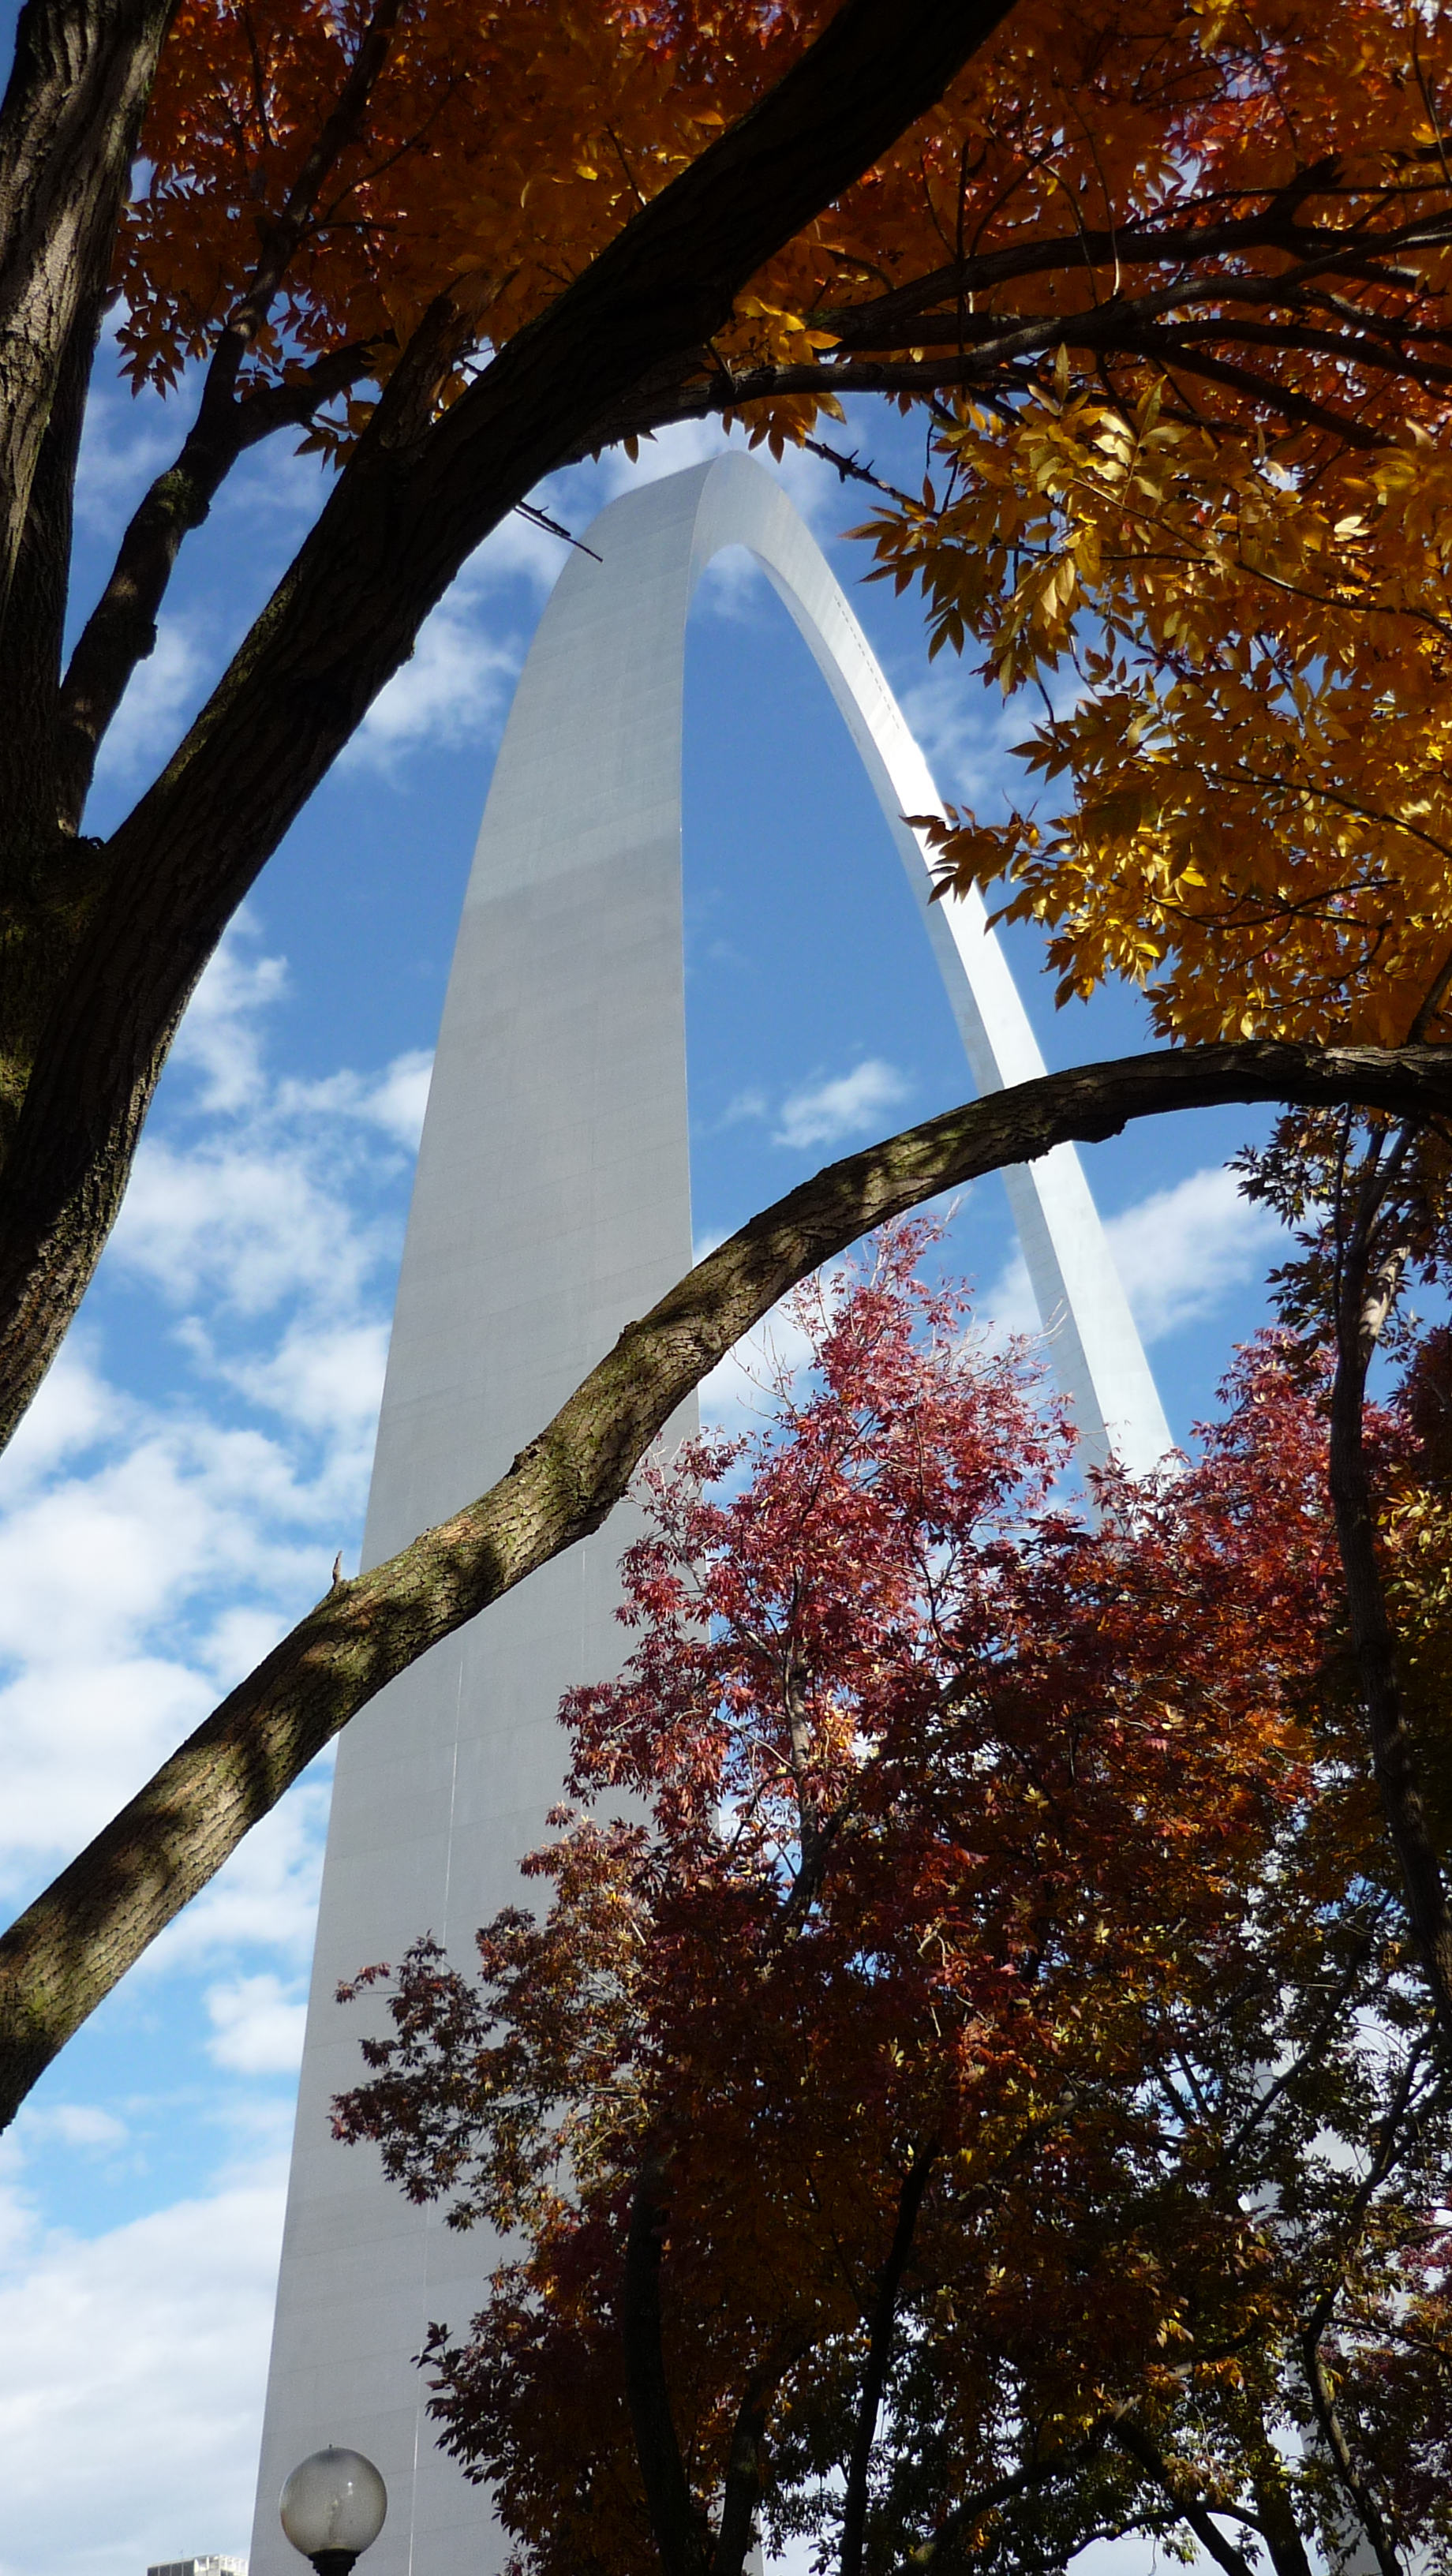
point(1435, 995)
point(849, 471)
point(552, 528)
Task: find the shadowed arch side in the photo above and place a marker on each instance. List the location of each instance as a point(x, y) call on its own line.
point(552, 1204)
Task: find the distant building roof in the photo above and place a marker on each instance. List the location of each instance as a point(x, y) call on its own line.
point(201, 2567)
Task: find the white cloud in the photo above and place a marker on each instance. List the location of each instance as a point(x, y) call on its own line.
point(127, 441)
point(73, 1409)
point(850, 1105)
point(75, 2124)
point(740, 1392)
point(330, 1378)
point(394, 1100)
point(133, 1594)
point(399, 1101)
point(745, 1104)
point(150, 1551)
point(219, 1036)
point(454, 689)
point(257, 2025)
point(247, 1224)
point(131, 2376)
point(162, 691)
point(964, 726)
point(1180, 1252)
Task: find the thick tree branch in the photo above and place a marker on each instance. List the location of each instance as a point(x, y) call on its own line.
point(745, 2466)
point(1274, 2517)
point(1146, 2452)
point(30, 656)
point(44, 888)
point(68, 128)
point(78, 1939)
point(942, 2549)
point(1005, 365)
point(415, 500)
point(121, 629)
point(680, 2535)
point(1366, 1286)
point(900, 316)
point(879, 2354)
point(882, 344)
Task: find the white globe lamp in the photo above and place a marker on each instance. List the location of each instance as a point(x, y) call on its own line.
point(332, 2509)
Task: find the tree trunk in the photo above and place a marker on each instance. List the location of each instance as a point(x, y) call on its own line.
point(1360, 1311)
point(68, 130)
point(879, 2355)
point(680, 2532)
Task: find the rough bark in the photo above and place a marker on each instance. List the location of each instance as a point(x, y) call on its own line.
point(68, 128)
point(680, 2534)
point(121, 629)
point(881, 2331)
point(1364, 1298)
point(416, 499)
point(1276, 2522)
point(77, 1940)
point(744, 2472)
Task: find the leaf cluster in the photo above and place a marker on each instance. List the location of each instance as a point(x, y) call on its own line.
point(930, 1830)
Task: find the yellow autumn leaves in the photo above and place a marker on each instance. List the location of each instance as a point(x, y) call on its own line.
point(1240, 777)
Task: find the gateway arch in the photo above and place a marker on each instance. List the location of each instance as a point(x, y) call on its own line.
point(552, 1204)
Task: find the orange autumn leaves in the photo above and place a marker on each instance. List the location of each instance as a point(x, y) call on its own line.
point(502, 147)
point(1224, 554)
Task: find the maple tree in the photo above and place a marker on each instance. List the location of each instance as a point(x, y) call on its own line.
point(453, 244)
point(963, 2094)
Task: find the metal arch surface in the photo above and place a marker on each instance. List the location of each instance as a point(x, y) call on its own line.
point(1094, 1344)
point(551, 1204)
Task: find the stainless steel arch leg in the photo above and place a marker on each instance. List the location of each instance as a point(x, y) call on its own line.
point(552, 1203)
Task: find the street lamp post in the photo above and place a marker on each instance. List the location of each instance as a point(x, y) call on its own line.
point(332, 2509)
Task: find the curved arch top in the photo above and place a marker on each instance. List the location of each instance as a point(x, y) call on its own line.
point(590, 768)
point(551, 1204)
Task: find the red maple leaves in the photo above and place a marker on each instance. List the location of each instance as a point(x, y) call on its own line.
point(968, 1927)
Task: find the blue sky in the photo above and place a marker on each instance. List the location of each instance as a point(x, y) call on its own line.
point(201, 1452)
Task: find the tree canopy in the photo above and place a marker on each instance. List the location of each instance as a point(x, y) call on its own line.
point(1168, 287)
point(964, 2095)
point(537, 233)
